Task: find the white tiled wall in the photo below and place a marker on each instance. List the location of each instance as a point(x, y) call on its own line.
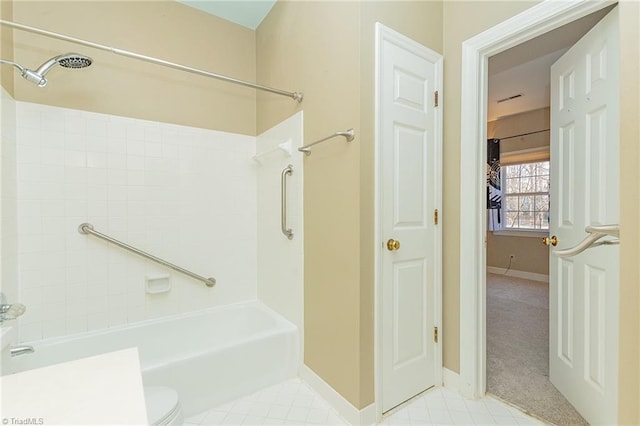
point(280, 261)
point(186, 195)
point(9, 239)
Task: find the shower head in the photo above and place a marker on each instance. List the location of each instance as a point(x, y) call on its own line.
point(68, 60)
point(74, 60)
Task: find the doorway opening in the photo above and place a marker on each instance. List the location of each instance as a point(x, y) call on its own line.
point(517, 261)
point(498, 43)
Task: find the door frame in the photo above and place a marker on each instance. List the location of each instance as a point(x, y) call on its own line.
point(385, 33)
point(535, 21)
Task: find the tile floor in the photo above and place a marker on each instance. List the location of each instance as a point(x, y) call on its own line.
point(290, 403)
point(295, 403)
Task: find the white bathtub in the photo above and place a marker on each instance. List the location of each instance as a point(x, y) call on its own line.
point(209, 357)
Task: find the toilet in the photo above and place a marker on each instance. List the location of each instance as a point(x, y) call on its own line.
point(163, 406)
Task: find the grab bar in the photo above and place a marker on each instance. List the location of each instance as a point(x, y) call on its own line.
point(283, 207)
point(87, 228)
point(349, 135)
point(591, 240)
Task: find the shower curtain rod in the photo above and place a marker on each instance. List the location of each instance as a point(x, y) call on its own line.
point(293, 95)
point(524, 134)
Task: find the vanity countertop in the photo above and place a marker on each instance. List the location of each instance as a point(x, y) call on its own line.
point(103, 389)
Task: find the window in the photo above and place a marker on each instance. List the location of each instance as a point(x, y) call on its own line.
point(526, 196)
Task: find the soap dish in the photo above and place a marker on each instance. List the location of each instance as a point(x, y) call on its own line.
point(156, 284)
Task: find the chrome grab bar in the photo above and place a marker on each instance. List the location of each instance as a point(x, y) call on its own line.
point(349, 135)
point(283, 207)
point(87, 228)
point(591, 240)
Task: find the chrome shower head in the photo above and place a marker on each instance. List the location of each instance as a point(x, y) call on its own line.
point(68, 60)
point(73, 60)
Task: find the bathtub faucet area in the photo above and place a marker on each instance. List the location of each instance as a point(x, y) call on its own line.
point(21, 350)
point(9, 311)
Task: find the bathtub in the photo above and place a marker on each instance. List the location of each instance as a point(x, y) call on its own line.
point(209, 357)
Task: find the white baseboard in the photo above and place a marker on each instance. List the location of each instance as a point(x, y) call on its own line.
point(366, 416)
point(519, 274)
point(450, 380)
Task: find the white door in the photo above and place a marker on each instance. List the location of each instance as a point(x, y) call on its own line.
point(409, 191)
point(583, 347)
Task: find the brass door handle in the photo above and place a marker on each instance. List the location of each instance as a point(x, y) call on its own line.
point(553, 241)
point(393, 244)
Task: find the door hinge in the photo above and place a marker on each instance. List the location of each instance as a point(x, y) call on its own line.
point(435, 334)
point(435, 98)
point(435, 217)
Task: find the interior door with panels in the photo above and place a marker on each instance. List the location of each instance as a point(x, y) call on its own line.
point(409, 157)
point(583, 345)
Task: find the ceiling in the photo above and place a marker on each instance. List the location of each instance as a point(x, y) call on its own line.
point(524, 69)
point(529, 79)
point(248, 13)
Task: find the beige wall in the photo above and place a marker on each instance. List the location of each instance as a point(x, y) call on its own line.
point(517, 124)
point(313, 47)
point(127, 87)
point(629, 338)
point(326, 50)
point(530, 254)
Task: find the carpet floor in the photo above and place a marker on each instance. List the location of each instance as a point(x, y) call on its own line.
point(518, 349)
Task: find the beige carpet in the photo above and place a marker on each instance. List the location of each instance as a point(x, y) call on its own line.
point(518, 349)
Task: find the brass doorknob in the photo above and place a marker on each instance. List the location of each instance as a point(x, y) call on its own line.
point(553, 241)
point(393, 244)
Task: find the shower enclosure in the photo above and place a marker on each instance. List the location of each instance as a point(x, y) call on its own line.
point(190, 195)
